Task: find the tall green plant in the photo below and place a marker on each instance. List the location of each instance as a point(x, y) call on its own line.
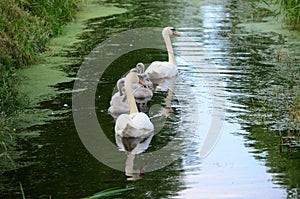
point(25, 28)
point(291, 11)
point(21, 35)
point(55, 13)
point(27, 25)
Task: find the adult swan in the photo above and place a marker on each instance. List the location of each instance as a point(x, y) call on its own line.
point(136, 124)
point(158, 69)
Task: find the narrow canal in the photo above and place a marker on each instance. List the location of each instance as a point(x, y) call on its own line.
point(228, 146)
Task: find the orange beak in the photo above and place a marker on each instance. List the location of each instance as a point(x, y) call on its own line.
point(141, 81)
point(176, 33)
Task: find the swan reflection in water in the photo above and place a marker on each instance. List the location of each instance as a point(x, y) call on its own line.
point(134, 141)
point(133, 131)
point(133, 146)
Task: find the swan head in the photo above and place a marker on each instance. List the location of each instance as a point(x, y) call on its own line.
point(170, 31)
point(133, 77)
point(140, 67)
point(121, 85)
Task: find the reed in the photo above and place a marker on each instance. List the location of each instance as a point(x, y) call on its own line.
point(291, 11)
point(285, 101)
point(10, 102)
point(19, 32)
point(54, 13)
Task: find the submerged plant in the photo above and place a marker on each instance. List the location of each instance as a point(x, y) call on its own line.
point(284, 102)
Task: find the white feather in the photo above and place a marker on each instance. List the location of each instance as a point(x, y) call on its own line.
point(159, 70)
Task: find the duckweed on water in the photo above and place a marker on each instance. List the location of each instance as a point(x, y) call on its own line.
point(25, 28)
point(39, 79)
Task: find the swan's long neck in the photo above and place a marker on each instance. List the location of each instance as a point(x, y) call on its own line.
point(169, 48)
point(129, 164)
point(130, 98)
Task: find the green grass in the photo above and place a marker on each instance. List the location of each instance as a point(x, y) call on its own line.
point(11, 101)
point(27, 25)
point(291, 10)
point(54, 13)
point(25, 28)
point(288, 10)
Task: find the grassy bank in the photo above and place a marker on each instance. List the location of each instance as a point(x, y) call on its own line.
point(25, 28)
point(291, 11)
point(288, 11)
point(27, 25)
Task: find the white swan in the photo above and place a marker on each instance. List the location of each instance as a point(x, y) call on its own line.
point(118, 102)
point(142, 74)
point(159, 69)
point(141, 92)
point(135, 124)
point(134, 131)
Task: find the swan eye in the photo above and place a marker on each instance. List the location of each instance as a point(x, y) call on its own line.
point(173, 29)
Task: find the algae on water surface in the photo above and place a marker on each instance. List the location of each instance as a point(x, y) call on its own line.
point(39, 79)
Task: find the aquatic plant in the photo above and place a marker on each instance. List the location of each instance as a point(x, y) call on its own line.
point(109, 192)
point(25, 28)
point(283, 102)
point(288, 97)
point(275, 105)
point(291, 10)
point(22, 190)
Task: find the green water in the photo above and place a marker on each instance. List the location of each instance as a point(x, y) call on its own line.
point(228, 65)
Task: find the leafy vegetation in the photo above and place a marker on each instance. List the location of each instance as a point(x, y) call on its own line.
point(10, 102)
point(291, 10)
point(27, 25)
point(280, 104)
point(286, 101)
point(109, 192)
point(25, 28)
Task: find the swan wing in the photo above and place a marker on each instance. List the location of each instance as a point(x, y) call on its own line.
point(141, 121)
point(121, 123)
point(118, 104)
point(133, 125)
point(142, 93)
point(158, 70)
